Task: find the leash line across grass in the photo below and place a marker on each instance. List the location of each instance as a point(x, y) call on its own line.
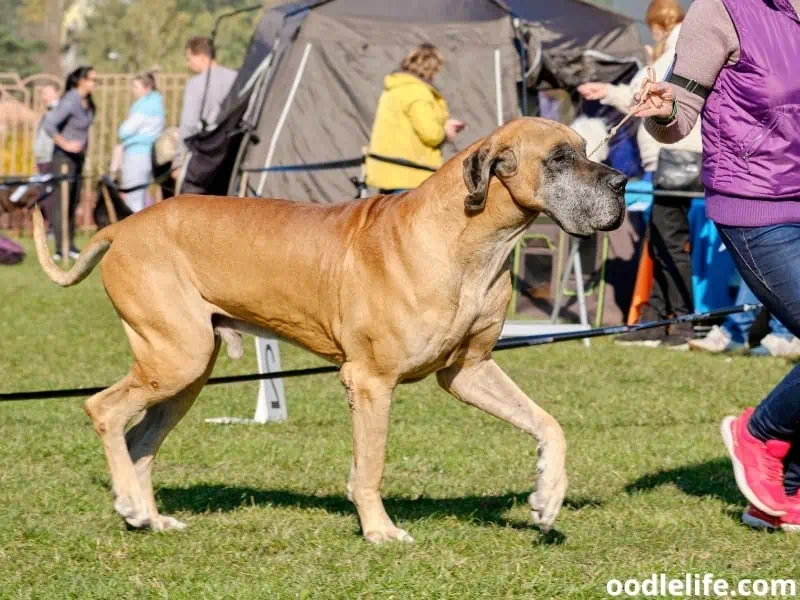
point(511, 343)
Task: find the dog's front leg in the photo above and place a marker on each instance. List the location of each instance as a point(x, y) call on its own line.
point(370, 399)
point(484, 385)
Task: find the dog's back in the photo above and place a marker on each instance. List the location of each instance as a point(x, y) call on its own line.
point(276, 264)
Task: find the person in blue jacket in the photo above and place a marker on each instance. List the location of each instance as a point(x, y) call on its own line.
point(137, 134)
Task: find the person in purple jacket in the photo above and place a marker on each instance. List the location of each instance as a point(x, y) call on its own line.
point(736, 66)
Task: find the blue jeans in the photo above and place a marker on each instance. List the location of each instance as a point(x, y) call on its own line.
point(738, 325)
point(768, 259)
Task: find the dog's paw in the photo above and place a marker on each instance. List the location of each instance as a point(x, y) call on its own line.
point(165, 523)
point(393, 534)
point(137, 519)
point(546, 502)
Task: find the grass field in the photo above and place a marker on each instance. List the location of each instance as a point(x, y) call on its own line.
point(650, 487)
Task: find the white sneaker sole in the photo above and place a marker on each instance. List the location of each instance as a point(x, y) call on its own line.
point(738, 471)
point(642, 344)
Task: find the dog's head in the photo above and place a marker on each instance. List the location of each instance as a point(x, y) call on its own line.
point(543, 166)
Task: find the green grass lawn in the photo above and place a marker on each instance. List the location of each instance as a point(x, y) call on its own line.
point(651, 489)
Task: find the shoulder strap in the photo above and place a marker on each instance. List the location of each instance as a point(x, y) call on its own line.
point(689, 84)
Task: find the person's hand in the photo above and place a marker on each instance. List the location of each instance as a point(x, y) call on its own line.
point(593, 90)
point(71, 146)
point(452, 128)
point(657, 101)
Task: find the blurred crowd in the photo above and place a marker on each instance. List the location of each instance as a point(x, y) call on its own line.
point(144, 143)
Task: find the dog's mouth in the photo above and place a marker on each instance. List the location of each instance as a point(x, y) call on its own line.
point(581, 233)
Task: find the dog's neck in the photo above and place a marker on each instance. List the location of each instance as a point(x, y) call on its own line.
point(492, 230)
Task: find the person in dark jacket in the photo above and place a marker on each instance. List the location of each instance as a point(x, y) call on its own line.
point(68, 125)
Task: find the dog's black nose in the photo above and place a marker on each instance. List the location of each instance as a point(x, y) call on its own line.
point(617, 182)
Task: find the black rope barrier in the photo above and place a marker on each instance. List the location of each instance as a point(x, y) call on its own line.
point(321, 166)
point(51, 179)
point(157, 181)
point(539, 340)
point(510, 343)
point(400, 161)
point(357, 162)
point(18, 181)
point(346, 163)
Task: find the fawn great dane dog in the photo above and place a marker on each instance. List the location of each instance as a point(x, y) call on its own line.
point(392, 288)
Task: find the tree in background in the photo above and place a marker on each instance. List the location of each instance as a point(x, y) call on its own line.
point(19, 53)
point(129, 36)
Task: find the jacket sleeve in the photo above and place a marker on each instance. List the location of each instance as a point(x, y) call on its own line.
point(426, 121)
point(190, 117)
point(131, 125)
point(707, 40)
point(59, 115)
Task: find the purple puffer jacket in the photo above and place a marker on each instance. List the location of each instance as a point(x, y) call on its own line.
point(751, 121)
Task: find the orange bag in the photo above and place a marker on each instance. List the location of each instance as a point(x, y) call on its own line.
point(643, 286)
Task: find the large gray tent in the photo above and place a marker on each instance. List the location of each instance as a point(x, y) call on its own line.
point(310, 83)
point(573, 41)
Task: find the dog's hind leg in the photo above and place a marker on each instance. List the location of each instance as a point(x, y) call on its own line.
point(167, 368)
point(484, 385)
point(370, 399)
point(109, 411)
point(145, 438)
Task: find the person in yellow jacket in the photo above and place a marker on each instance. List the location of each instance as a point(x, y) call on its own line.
point(411, 123)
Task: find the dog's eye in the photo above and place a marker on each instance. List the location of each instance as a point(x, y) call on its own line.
point(562, 155)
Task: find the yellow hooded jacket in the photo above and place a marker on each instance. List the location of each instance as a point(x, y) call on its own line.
point(409, 124)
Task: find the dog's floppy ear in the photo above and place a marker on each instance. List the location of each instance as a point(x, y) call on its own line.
point(478, 168)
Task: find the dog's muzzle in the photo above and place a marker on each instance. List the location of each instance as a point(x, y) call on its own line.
point(611, 210)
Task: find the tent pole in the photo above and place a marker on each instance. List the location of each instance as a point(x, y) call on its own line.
point(523, 58)
point(282, 120)
point(498, 87)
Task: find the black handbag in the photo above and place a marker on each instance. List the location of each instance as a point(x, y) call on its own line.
point(678, 170)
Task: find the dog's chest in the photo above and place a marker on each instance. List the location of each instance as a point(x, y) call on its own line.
point(477, 306)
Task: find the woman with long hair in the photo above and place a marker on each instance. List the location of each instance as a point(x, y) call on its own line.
point(137, 134)
point(411, 123)
point(68, 124)
point(668, 240)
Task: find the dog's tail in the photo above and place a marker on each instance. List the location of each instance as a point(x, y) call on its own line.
point(91, 255)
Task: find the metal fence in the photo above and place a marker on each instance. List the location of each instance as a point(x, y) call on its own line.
point(21, 108)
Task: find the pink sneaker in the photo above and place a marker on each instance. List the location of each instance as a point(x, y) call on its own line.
point(757, 465)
